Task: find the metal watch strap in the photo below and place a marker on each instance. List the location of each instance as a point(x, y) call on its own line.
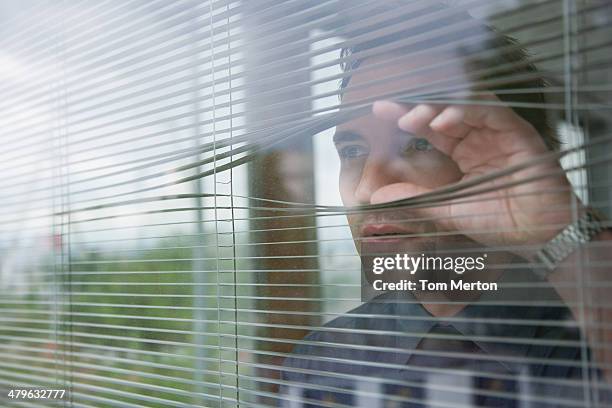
point(566, 242)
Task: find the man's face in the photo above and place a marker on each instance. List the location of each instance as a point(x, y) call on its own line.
point(378, 160)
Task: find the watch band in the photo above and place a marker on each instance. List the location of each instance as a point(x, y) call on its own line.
point(566, 242)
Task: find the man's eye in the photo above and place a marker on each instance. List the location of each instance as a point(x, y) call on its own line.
point(352, 151)
point(418, 144)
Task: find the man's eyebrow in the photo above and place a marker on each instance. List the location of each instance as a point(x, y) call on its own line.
point(346, 136)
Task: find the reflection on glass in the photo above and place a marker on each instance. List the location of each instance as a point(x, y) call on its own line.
point(306, 204)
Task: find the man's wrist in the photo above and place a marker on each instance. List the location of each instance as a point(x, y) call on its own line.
point(585, 229)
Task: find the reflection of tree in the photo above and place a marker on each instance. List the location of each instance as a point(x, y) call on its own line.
point(285, 265)
point(149, 289)
point(141, 339)
point(279, 89)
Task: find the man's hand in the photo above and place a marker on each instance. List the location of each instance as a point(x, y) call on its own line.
point(483, 138)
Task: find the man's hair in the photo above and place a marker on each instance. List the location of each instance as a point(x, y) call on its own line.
point(497, 62)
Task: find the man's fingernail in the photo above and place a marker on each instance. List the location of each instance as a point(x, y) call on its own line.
point(404, 123)
point(438, 120)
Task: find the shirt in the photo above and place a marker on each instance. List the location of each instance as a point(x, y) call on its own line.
point(517, 347)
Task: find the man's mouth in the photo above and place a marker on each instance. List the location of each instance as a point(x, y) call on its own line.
point(396, 237)
point(389, 239)
point(386, 233)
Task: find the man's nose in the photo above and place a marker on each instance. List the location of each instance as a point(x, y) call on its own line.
point(377, 172)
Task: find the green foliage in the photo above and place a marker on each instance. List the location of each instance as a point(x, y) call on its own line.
point(127, 319)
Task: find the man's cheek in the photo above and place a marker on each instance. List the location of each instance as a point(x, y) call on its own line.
point(354, 224)
point(347, 193)
point(350, 177)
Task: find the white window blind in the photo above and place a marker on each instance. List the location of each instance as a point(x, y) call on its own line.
point(191, 189)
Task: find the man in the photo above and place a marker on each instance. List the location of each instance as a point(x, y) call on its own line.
point(521, 346)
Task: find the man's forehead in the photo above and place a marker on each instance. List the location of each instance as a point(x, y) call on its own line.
point(379, 76)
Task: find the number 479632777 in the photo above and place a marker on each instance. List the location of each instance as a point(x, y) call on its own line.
point(25, 393)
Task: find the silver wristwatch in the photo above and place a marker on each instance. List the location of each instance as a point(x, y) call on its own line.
point(566, 242)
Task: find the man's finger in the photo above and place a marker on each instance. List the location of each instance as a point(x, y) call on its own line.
point(451, 123)
point(388, 110)
point(488, 111)
point(453, 128)
point(418, 119)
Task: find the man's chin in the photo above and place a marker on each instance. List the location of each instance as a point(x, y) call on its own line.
point(437, 276)
point(390, 247)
